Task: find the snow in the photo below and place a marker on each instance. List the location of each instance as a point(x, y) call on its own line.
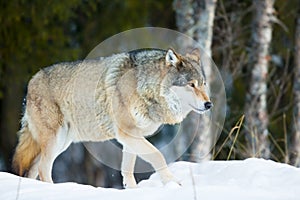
point(213, 180)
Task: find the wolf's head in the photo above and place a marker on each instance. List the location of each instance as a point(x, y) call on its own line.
point(188, 81)
point(170, 85)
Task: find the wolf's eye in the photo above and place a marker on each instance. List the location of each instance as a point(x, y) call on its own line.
point(193, 83)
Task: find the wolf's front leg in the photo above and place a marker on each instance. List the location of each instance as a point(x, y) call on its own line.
point(149, 153)
point(127, 168)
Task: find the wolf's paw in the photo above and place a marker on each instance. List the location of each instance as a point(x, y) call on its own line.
point(167, 177)
point(130, 186)
point(172, 181)
point(129, 182)
point(173, 184)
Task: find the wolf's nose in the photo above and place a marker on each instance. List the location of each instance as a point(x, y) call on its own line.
point(208, 105)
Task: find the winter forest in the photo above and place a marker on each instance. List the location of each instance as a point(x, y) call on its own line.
point(254, 43)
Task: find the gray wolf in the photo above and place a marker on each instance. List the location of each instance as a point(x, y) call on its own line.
point(125, 96)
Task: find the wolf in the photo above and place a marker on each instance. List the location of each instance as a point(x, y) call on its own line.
point(126, 96)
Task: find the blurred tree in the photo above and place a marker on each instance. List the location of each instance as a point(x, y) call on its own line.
point(256, 101)
point(295, 146)
point(38, 33)
point(195, 18)
point(31, 34)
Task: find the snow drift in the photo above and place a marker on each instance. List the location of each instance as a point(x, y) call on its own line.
point(213, 180)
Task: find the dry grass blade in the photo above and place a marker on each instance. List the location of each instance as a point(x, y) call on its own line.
point(236, 127)
point(286, 158)
point(281, 151)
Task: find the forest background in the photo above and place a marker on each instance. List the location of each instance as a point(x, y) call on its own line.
point(35, 34)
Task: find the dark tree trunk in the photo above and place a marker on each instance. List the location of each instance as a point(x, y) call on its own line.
point(295, 146)
point(256, 101)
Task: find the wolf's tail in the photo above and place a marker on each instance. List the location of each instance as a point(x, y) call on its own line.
point(26, 151)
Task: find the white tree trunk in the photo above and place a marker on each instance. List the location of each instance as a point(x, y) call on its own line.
point(195, 18)
point(256, 102)
point(295, 153)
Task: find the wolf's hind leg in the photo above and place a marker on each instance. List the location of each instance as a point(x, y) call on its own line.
point(33, 172)
point(55, 145)
point(48, 156)
point(127, 168)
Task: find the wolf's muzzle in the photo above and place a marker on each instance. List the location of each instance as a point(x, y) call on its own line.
point(208, 105)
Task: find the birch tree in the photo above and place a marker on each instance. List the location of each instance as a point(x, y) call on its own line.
point(295, 156)
point(256, 99)
point(195, 19)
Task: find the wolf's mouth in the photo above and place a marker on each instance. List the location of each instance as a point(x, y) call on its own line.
point(198, 109)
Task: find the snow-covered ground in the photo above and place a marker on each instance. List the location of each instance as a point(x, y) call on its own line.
point(251, 179)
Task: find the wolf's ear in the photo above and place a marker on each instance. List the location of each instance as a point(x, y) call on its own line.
point(172, 58)
point(194, 54)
